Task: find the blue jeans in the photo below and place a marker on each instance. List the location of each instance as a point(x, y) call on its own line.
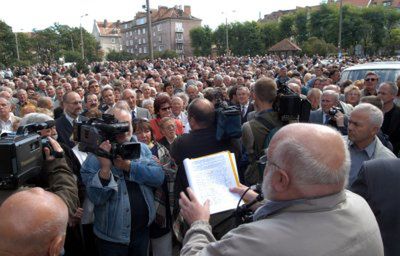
point(138, 246)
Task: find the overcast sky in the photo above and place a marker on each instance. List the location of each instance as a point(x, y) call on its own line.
point(26, 15)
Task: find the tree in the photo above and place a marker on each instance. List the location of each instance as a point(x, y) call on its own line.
point(301, 28)
point(8, 53)
point(201, 38)
point(317, 46)
point(286, 27)
point(269, 33)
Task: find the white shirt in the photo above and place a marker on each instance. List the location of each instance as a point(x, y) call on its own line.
point(6, 126)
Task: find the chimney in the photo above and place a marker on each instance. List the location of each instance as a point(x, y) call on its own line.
point(162, 9)
point(105, 23)
point(187, 10)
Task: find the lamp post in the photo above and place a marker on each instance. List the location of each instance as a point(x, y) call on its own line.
point(16, 45)
point(227, 33)
point(80, 25)
point(340, 29)
point(149, 30)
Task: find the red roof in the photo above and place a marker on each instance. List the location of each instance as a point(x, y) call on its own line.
point(360, 3)
point(107, 28)
point(284, 46)
point(163, 13)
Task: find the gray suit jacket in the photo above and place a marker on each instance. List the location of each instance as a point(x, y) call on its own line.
point(142, 113)
point(316, 116)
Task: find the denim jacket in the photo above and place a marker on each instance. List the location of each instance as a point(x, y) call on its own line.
point(111, 203)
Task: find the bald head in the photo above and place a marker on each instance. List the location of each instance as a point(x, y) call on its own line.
point(201, 113)
point(316, 164)
point(33, 222)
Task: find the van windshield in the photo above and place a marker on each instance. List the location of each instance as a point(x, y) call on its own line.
point(384, 74)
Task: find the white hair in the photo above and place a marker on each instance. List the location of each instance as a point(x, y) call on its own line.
point(375, 115)
point(310, 167)
point(32, 118)
point(393, 87)
point(331, 93)
point(147, 102)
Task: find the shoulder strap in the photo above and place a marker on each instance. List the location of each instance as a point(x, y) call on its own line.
point(265, 122)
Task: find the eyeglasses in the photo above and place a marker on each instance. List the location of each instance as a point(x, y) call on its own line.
point(165, 108)
point(75, 103)
point(370, 79)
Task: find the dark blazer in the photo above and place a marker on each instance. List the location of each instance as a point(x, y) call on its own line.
point(379, 183)
point(142, 113)
point(316, 117)
point(65, 130)
point(250, 108)
point(394, 130)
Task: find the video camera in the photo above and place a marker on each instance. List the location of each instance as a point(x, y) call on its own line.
point(90, 134)
point(21, 154)
point(290, 106)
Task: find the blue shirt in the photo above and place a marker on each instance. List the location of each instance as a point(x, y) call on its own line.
point(358, 157)
point(112, 207)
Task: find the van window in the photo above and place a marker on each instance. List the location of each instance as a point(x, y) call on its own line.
point(384, 74)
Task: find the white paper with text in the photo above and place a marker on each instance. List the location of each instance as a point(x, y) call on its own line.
point(211, 176)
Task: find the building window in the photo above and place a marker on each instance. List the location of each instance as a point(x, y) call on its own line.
point(159, 27)
point(127, 43)
point(178, 27)
point(126, 34)
point(131, 42)
point(139, 31)
point(154, 33)
point(179, 47)
point(143, 31)
point(140, 40)
point(113, 40)
point(130, 33)
point(145, 49)
point(140, 50)
point(160, 39)
point(144, 40)
point(126, 26)
point(161, 48)
point(179, 36)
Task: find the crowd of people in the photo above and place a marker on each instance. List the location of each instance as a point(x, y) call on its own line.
point(142, 206)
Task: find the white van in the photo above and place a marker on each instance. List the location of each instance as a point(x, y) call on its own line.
point(387, 71)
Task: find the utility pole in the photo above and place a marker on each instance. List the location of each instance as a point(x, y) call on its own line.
point(72, 45)
point(82, 49)
point(340, 29)
point(226, 36)
point(16, 45)
point(149, 30)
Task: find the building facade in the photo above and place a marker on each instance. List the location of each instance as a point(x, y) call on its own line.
point(108, 35)
point(170, 31)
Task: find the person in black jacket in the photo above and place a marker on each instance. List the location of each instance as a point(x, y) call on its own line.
point(378, 183)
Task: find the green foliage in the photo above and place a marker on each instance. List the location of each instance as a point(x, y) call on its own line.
point(71, 56)
point(167, 54)
point(300, 24)
point(318, 46)
point(286, 27)
point(119, 56)
point(201, 38)
point(8, 53)
point(269, 34)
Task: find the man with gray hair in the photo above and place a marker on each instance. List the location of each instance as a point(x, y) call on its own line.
point(330, 113)
point(308, 211)
point(387, 92)
point(364, 123)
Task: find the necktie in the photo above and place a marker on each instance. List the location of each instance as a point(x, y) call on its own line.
point(243, 111)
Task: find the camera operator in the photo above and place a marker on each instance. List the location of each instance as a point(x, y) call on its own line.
point(330, 113)
point(256, 130)
point(309, 212)
point(122, 194)
point(55, 176)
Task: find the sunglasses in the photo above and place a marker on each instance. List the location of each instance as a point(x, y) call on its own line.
point(370, 80)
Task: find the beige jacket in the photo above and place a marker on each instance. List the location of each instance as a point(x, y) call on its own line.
point(340, 224)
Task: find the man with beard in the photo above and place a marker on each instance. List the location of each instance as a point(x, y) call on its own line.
point(308, 211)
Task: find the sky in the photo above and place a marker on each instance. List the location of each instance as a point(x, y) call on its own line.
point(26, 15)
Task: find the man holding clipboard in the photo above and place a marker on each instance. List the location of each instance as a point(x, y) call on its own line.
point(201, 141)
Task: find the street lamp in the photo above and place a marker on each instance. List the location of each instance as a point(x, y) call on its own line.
point(340, 29)
point(80, 25)
point(149, 30)
point(226, 32)
point(16, 45)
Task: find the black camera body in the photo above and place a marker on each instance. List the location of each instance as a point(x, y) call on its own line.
point(21, 158)
point(90, 134)
point(333, 111)
point(290, 106)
